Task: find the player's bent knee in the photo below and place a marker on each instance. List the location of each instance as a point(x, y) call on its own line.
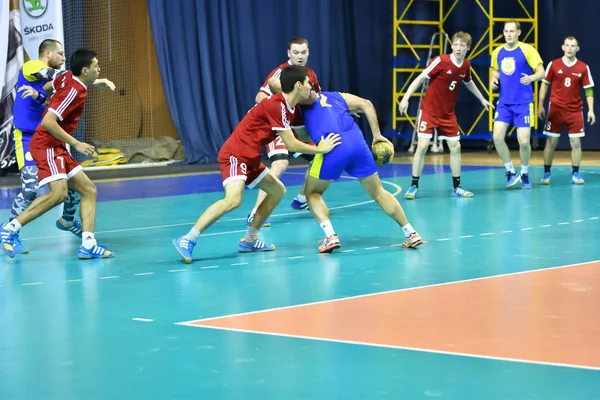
point(279, 165)
point(575, 143)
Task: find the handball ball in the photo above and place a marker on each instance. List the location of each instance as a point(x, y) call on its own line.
point(383, 153)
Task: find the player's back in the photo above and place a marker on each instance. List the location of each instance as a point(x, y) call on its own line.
point(512, 63)
point(567, 80)
point(67, 104)
point(27, 113)
point(329, 113)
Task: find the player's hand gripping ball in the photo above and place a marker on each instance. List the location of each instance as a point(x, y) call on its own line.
point(383, 153)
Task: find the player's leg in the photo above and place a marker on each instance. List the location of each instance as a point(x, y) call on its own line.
point(575, 127)
point(391, 206)
point(426, 124)
point(552, 129)
point(67, 221)
point(456, 166)
point(315, 188)
point(524, 120)
point(502, 119)
point(300, 202)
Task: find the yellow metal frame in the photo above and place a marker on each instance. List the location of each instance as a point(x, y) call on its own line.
point(480, 47)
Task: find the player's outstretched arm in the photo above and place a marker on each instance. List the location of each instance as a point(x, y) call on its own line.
point(409, 92)
point(325, 145)
point(356, 104)
point(542, 97)
point(50, 123)
point(104, 83)
point(475, 90)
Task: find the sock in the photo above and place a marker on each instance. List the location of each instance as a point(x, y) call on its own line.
point(327, 228)
point(193, 234)
point(408, 230)
point(547, 168)
point(415, 181)
point(70, 206)
point(575, 169)
point(524, 169)
point(510, 167)
point(251, 234)
point(253, 210)
point(456, 181)
point(13, 226)
point(301, 198)
point(87, 240)
point(66, 222)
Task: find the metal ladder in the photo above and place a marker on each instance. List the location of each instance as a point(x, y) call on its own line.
point(436, 146)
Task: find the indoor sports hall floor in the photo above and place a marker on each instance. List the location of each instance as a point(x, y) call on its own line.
point(501, 302)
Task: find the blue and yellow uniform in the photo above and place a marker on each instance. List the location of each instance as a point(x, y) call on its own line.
point(515, 104)
point(27, 113)
point(330, 114)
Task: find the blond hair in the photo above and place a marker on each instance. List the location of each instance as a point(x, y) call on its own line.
point(517, 24)
point(463, 36)
point(571, 38)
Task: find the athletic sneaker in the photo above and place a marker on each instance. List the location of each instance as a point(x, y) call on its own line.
point(411, 193)
point(577, 179)
point(545, 179)
point(525, 183)
point(75, 228)
point(18, 247)
point(460, 192)
point(6, 240)
point(96, 251)
point(246, 246)
point(330, 244)
point(412, 241)
point(184, 247)
point(299, 205)
point(250, 217)
point(512, 179)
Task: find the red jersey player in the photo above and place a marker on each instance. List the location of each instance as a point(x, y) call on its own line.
point(240, 165)
point(567, 75)
point(276, 150)
point(55, 165)
point(446, 74)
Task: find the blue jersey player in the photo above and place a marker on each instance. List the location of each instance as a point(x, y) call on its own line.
point(330, 112)
point(515, 66)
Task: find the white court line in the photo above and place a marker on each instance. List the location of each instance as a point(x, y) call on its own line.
point(579, 220)
point(32, 283)
point(240, 263)
point(144, 273)
point(271, 260)
point(142, 319)
point(372, 248)
point(72, 280)
point(563, 223)
point(193, 322)
point(210, 267)
point(526, 229)
point(442, 239)
point(545, 226)
point(177, 270)
point(295, 257)
point(487, 234)
point(110, 277)
point(398, 191)
point(346, 251)
point(465, 236)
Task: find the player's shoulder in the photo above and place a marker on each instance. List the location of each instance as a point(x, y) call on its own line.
point(32, 67)
point(283, 65)
point(497, 51)
point(580, 64)
point(526, 48)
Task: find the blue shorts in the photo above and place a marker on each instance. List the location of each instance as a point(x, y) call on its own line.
point(518, 115)
point(22, 140)
point(353, 156)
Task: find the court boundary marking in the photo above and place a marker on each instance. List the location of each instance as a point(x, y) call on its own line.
point(192, 323)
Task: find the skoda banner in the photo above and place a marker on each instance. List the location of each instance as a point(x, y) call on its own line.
point(40, 19)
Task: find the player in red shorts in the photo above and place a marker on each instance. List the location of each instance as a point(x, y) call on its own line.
point(56, 167)
point(446, 74)
point(239, 160)
point(567, 75)
point(276, 150)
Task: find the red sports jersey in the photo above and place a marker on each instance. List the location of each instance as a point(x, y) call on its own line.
point(567, 81)
point(445, 79)
point(260, 126)
point(67, 103)
point(312, 78)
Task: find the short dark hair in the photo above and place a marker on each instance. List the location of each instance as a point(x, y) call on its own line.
point(80, 59)
point(571, 38)
point(47, 45)
point(290, 75)
point(297, 40)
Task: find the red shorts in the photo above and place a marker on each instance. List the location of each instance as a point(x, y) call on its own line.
point(559, 117)
point(54, 163)
point(232, 168)
point(277, 146)
point(447, 127)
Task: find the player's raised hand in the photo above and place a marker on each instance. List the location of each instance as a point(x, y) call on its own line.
point(104, 83)
point(495, 84)
point(403, 106)
point(526, 79)
point(330, 142)
point(542, 112)
point(591, 117)
point(28, 91)
point(84, 148)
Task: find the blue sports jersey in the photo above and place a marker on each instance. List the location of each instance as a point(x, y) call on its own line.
point(328, 114)
point(512, 64)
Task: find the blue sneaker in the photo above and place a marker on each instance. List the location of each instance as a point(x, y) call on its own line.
point(512, 179)
point(545, 179)
point(6, 239)
point(577, 179)
point(299, 205)
point(460, 192)
point(525, 183)
point(246, 246)
point(184, 247)
point(18, 247)
point(96, 251)
point(250, 217)
point(411, 193)
point(75, 228)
